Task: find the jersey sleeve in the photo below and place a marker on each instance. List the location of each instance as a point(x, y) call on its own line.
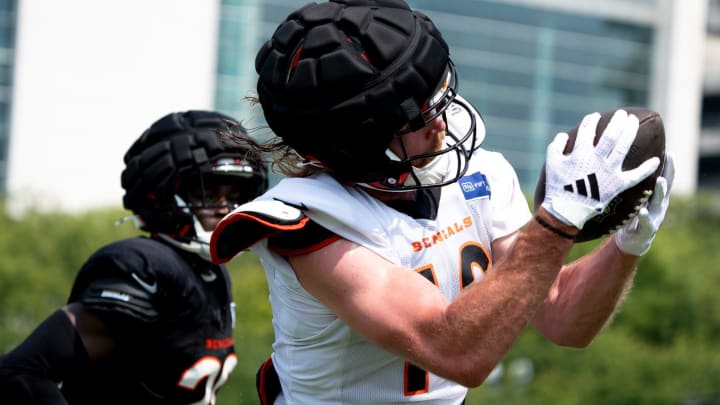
point(119, 280)
point(30, 373)
point(309, 238)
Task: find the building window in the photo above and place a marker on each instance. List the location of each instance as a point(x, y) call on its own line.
point(532, 72)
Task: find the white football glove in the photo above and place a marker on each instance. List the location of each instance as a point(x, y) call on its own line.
point(597, 169)
point(637, 235)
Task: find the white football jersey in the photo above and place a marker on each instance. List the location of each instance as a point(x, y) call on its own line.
point(318, 358)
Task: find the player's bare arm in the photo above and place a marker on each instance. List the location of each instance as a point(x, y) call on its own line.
point(136, 328)
point(585, 296)
point(95, 335)
point(462, 340)
point(589, 290)
point(585, 293)
point(412, 263)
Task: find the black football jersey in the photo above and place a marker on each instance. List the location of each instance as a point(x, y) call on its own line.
point(172, 316)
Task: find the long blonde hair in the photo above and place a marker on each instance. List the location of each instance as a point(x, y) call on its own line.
point(282, 158)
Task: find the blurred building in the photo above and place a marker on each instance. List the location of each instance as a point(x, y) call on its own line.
point(532, 67)
point(8, 19)
point(709, 163)
point(535, 67)
point(87, 78)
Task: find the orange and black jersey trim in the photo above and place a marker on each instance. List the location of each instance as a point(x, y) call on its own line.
point(309, 238)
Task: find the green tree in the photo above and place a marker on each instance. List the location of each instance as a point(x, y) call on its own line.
point(661, 349)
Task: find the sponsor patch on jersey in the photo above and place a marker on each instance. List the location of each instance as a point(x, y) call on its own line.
point(475, 186)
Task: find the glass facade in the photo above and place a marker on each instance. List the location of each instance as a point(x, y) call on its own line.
point(714, 17)
point(237, 47)
point(530, 72)
point(8, 17)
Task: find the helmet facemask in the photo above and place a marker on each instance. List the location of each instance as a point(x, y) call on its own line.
point(445, 165)
point(185, 165)
point(340, 81)
point(230, 182)
point(208, 197)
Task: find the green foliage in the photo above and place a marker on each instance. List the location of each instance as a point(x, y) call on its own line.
point(41, 252)
point(253, 331)
point(661, 349)
point(39, 255)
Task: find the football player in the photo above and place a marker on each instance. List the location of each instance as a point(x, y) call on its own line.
point(402, 258)
point(150, 319)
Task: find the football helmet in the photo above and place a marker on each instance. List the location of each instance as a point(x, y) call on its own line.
point(176, 165)
point(338, 80)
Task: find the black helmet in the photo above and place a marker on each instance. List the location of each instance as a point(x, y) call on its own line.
point(186, 149)
point(338, 80)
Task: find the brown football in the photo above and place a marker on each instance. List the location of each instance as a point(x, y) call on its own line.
point(649, 142)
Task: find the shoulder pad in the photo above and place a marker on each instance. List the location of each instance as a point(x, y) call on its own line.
point(251, 223)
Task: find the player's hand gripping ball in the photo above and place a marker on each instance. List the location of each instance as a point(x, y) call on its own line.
point(649, 142)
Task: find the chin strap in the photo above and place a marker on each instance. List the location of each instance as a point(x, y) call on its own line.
point(200, 243)
point(198, 247)
point(432, 173)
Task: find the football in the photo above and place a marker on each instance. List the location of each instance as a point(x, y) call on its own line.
point(649, 142)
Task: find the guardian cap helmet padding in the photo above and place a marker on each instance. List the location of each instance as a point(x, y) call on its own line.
point(338, 80)
point(194, 146)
